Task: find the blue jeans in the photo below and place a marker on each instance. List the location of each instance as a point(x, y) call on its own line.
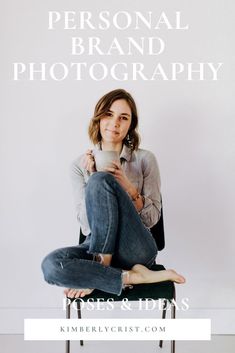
point(116, 228)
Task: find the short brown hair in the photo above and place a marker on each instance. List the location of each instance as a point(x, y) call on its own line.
point(102, 108)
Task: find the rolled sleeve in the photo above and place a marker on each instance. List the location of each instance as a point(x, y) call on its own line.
point(78, 178)
point(151, 191)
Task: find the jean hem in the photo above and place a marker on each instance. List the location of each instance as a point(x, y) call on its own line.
point(95, 253)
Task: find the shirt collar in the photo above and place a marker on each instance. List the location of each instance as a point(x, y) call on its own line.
point(126, 153)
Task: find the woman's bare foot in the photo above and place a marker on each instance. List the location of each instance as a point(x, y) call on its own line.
point(104, 259)
point(141, 274)
point(77, 293)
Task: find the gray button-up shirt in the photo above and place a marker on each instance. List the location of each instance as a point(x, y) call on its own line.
point(140, 167)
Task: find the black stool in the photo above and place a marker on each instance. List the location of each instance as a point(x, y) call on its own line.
point(163, 290)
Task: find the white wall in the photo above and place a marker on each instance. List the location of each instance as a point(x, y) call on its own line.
point(188, 125)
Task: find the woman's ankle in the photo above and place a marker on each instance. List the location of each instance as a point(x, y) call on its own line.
point(126, 279)
point(104, 259)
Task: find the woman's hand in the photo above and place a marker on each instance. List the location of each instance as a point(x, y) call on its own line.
point(89, 162)
point(117, 171)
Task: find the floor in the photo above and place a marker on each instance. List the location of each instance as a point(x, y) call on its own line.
point(16, 344)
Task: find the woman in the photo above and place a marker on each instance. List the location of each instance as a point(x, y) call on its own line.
point(116, 209)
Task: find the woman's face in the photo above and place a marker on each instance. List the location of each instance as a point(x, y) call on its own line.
point(115, 124)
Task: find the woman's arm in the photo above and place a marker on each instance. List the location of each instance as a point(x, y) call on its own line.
point(151, 190)
point(148, 201)
point(137, 198)
point(79, 178)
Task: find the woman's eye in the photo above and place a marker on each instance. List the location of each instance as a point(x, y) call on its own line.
point(121, 117)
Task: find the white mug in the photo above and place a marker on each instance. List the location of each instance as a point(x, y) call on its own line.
point(103, 159)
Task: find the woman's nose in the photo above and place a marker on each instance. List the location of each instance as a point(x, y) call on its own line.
point(116, 122)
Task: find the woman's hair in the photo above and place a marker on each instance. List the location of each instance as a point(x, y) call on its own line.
point(132, 140)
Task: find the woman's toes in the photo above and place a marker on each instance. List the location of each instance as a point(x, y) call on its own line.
point(181, 279)
point(71, 293)
point(66, 291)
point(78, 294)
point(176, 277)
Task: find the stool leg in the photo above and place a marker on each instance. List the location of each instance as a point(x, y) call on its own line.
point(67, 343)
point(173, 317)
point(163, 317)
point(79, 316)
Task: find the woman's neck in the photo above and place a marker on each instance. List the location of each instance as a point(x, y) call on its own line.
point(109, 146)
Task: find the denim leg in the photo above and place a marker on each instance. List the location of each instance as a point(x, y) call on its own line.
point(72, 267)
point(116, 227)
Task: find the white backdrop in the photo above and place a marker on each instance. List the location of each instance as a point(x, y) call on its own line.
point(188, 125)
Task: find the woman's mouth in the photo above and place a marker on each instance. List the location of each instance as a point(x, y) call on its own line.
point(112, 131)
